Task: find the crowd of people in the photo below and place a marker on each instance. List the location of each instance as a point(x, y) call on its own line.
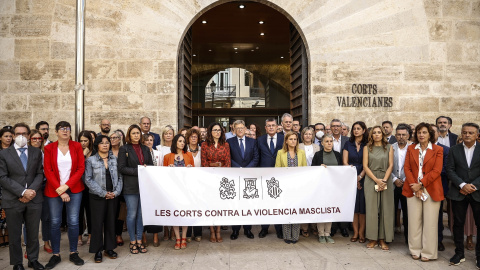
point(93, 181)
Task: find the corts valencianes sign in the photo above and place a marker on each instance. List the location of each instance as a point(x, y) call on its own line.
point(364, 95)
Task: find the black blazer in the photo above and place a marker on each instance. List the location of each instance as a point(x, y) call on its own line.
point(266, 157)
point(251, 156)
point(318, 158)
point(128, 166)
point(452, 137)
point(458, 172)
point(13, 178)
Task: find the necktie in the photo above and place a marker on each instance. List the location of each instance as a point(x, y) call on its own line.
point(23, 157)
point(272, 146)
point(242, 150)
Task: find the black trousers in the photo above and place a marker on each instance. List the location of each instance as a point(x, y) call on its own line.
point(459, 209)
point(103, 223)
point(399, 198)
point(193, 231)
point(30, 213)
point(440, 223)
point(245, 227)
point(85, 211)
point(118, 222)
point(278, 228)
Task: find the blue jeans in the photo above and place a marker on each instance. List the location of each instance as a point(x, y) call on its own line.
point(73, 209)
point(134, 216)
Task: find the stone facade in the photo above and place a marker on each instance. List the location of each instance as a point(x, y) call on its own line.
point(425, 55)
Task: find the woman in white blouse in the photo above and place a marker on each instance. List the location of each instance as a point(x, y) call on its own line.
point(310, 149)
point(166, 142)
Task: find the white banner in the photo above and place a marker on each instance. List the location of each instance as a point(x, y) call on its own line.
point(246, 196)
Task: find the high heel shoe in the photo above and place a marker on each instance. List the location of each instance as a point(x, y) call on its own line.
point(177, 244)
point(213, 239)
point(219, 238)
point(183, 245)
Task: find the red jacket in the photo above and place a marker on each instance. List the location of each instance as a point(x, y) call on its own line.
point(432, 168)
point(52, 174)
point(170, 158)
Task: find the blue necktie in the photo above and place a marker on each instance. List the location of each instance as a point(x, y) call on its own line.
point(23, 157)
point(242, 150)
point(272, 146)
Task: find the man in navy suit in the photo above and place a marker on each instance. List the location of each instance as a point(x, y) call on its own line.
point(447, 138)
point(145, 125)
point(243, 153)
point(268, 146)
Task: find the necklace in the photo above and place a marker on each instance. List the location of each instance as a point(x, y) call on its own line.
point(193, 150)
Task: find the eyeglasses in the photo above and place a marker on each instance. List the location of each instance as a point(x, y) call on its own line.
point(271, 126)
point(36, 139)
point(193, 137)
point(216, 130)
point(115, 138)
point(65, 129)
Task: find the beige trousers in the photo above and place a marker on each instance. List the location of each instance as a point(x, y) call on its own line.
point(324, 229)
point(423, 227)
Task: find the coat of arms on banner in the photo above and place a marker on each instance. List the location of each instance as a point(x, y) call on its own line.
point(227, 189)
point(273, 187)
point(250, 191)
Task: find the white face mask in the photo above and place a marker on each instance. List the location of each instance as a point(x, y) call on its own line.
point(20, 141)
point(319, 135)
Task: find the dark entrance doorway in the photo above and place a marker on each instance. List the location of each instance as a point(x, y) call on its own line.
point(242, 60)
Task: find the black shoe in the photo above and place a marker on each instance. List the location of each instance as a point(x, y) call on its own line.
point(234, 235)
point(54, 260)
point(249, 234)
point(35, 265)
point(287, 241)
point(333, 232)
point(293, 242)
point(76, 259)
point(478, 261)
point(111, 254)
point(280, 235)
point(344, 232)
point(98, 257)
point(262, 233)
point(441, 247)
point(457, 259)
point(18, 267)
point(224, 228)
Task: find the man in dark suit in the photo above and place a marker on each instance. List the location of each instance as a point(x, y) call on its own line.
point(145, 125)
point(268, 146)
point(463, 170)
point(21, 176)
point(444, 177)
point(388, 129)
point(243, 153)
point(338, 143)
point(446, 137)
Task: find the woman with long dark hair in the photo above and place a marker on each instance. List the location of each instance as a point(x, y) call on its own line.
point(215, 153)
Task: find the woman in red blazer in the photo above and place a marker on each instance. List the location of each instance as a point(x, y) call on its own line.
point(179, 157)
point(424, 191)
point(64, 165)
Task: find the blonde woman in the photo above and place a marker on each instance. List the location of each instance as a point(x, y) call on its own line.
point(291, 156)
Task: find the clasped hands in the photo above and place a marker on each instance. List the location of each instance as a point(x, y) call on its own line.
point(468, 189)
point(382, 184)
point(110, 195)
point(28, 195)
point(417, 189)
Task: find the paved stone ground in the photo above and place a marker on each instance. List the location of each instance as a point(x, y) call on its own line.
point(266, 253)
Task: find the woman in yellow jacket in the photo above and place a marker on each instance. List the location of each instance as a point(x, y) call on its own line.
point(291, 156)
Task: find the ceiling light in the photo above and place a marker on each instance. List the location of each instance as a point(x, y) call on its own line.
point(241, 6)
point(257, 48)
point(204, 22)
point(209, 50)
point(253, 50)
point(281, 57)
point(235, 48)
point(194, 55)
point(260, 22)
point(262, 34)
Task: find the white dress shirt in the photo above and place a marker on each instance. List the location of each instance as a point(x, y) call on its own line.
point(243, 140)
point(469, 156)
point(274, 140)
point(337, 144)
point(421, 157)
point(402, 153)
point(64, 166)
point(444, 140)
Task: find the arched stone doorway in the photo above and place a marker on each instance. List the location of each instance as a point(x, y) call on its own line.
point(253, 35)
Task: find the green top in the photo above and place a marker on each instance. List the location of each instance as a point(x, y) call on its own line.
point(329, 158)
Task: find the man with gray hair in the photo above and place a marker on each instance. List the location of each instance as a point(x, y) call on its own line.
point(287, 122)
point(345, 130)
point(145, 125)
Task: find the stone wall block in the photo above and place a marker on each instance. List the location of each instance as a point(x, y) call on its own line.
point(475, 10)
point(31, 25)
point(135, 70)
point(433, 8)
point(43, 70)
point(165, 70)
point(53, 117)
point(456, 8)
point(152, 88)
point(68, 102)
point(451, 89)
point(440, 30)
point(5, 25)
point(62, 50)
point(467, 30)
point(101, 52)
point(29, 49)
point(460, 104)
point(9, 70)
point(357, 74)
point(7, 7)
point(35, 6)
point(408, 89)
point(166, 103)
point(463, 73)
point(65, 14)
point(139, 87)
point(166, 87)
point(24, 87)
point(99, 23)
point(14, 103)
point(454, 52)
point(123, 117)
point(57, 86)
point(48, 102)
point(471, 52)
point(114, 101)
point(10, 118)
point(438, 51)
point(424, 72)
point(7, 48)
point(97, 70)
point(104, 86)
point(413, 104)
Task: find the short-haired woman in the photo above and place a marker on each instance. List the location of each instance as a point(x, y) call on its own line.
point(64, 165)
point(179, 157)
point(105, 185)
point(353, 156)
point(215, 153)
point(424, 191)
point(6, 138)
point(291, 156)
point(130, 156)
point(163, 149)
point(193, 139)
point(116, 138)
point(378, 188)
point(326, 157)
